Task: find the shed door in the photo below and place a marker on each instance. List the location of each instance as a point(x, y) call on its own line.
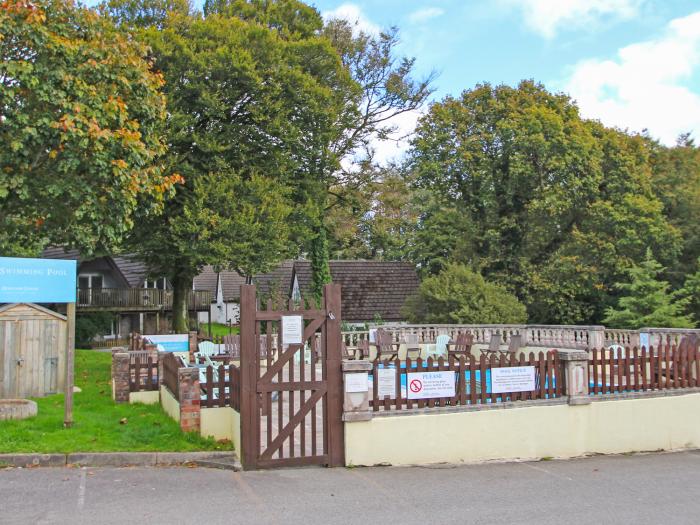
point(9, 352)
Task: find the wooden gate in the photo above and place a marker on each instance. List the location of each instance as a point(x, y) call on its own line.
point(291, 394)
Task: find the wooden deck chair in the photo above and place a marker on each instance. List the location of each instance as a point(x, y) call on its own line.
point(494, 345)
point(515, 344)
point(363, 349)
point(206, 349)
point(412, 346)
point(462, 345)
point(386, 347)
point(232, 346)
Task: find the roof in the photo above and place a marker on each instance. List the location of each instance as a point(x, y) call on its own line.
point(231, 285)
point(133, 271)
point(370, 289)
point(206, 280)
point(277, 281)
point(23, 310)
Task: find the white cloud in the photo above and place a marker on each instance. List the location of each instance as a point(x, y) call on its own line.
point(354, 15)
point(643, 87)
point(546, 17)
point(423, 15)
point(399, 141)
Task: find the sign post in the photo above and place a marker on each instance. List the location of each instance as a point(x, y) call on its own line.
point(45, 281)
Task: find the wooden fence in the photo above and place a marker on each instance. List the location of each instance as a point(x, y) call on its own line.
point(143, 372)
point(222, 387)
point(171, 365)
point(472, 380)
point(635, 370)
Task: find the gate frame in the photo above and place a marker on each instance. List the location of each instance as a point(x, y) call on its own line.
point(251, 404)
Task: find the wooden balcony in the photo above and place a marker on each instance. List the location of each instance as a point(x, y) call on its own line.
point(138, 300)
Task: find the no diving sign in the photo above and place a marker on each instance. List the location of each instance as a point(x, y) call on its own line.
point(424, 385)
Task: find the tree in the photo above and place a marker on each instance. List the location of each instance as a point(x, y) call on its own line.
point(249, 110)
point(459, 295)
point(531, 195)
point(81, 119)
point(383, 89)
point(690, 292)
point(646, 301)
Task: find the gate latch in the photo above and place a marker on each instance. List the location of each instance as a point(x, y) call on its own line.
point(331, 316)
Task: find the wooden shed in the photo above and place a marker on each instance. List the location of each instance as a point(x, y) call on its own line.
point(32, 351)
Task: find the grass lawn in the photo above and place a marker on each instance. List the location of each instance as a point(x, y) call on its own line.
point(218, 329)
point(97, 426)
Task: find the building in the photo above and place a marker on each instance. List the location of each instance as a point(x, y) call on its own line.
point(123, 287)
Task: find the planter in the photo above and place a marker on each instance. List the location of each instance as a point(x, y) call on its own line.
point(17, 409)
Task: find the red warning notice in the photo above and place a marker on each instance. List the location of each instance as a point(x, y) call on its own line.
point(423, 385)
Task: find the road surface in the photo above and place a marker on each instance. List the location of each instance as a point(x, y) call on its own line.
point(640, 489)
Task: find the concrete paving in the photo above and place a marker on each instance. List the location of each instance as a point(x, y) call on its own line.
point(640, 489)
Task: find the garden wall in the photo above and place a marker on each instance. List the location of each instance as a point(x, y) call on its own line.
point(532, 430)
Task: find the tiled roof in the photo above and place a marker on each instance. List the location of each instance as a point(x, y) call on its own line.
point(133, 271)
point(206, 281)
point(231, 285)
point(369, 288)
point(278, 280)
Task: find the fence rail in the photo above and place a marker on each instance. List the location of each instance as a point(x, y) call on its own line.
point(222, 387)
point(636, 370)
point(171, 366)
point(143, 372)
point(140, 298)
point(473, 380)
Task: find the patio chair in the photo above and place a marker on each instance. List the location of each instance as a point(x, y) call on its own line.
point(232, 346)
point(441, 343)
point(494, 345)
point(412, 346)
point(462, 345)
point(363, 349)
point(515, 344)
point(386, 347)
point(206, 349)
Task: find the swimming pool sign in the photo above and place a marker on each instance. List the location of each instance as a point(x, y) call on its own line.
point(24, 280)
point(512, 379)
point(425, 385)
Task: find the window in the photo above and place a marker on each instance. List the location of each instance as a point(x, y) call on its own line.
point(90, 281)
point(161, 283)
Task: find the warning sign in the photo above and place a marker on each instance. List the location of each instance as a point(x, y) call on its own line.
point(512, 379)
point(423, 385)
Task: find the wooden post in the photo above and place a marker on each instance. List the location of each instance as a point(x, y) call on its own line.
point(70, 365)
point(334, 374)
point(249, 453)
point(209, 320)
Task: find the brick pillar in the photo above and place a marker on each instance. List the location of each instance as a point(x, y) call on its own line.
point(575, 376)
point(120, 376)
point(355, 397)
point(189, 394)
point(192, 339)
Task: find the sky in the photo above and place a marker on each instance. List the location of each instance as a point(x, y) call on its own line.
point(633, 64)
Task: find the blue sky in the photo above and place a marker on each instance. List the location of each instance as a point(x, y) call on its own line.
point(634, 64)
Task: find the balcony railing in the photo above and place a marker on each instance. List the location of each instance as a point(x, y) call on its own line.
point(139, 299)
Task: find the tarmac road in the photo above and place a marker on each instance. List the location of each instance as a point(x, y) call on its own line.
point(640, 489)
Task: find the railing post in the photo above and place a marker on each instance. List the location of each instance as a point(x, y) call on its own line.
point(596, 337)
point(575, 363)
point(249, 415)
point(120, 376)
point(192, 345)
point(333, 364)
point(161, 359)
point(355, 399)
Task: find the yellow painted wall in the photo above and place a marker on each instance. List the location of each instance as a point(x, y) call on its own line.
point(169, 403)
point(560, 431)
point(221, 423)
point(149, 398)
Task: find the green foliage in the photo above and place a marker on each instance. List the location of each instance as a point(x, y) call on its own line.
point(97, 419)
point(647, 301)
point(691, 293)
point(531, 195)
point(81, 116)
point(88, 326)
point(250, 112)
point(320, 268)
point(459, 295)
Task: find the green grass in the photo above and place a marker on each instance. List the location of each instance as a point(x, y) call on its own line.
point(218, 329)
point(97, 426)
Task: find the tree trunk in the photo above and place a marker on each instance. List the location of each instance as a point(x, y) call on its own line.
point(181, 288)
point(320, 269)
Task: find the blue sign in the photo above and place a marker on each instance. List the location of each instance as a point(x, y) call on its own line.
point(37, 280)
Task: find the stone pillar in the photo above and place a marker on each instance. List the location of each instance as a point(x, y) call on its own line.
point(192, 345)
point(120, 376)
point(356, 390)
point(596, 337)
point(189, 394)
point(575, 376)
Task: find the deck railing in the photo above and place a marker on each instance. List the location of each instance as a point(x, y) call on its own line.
point(141, 298)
